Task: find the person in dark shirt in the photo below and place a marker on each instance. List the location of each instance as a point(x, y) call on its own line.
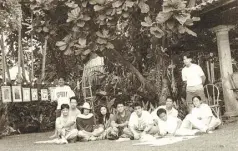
point(85, 123)
point(120, 123)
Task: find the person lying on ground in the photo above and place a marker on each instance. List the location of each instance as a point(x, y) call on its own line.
point(120, 123)
point(201, 118)
point(65, 129)
point(85, 123)
point(141, 122)
point(170, 110)
point(167, 124)
point(104, 120)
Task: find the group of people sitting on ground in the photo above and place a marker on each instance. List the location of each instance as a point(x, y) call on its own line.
point(75, 125)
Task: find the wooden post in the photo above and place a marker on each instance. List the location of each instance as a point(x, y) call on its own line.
point(19, 19)
point(44, 52)
point(224, 52)
point(3, 59)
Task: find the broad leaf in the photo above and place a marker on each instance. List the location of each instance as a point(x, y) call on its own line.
point(45, 29)
point(81, 23)
point(144, 7)
point(101, 41)
point(86, 52)
point(196, 18)
point(117, 4)
point(98, 8)
point(109, 46)
point(156, 32)
point(129, 3)
point(182, 18)
point(163, 17)
point(60, 43)
point(190, 32)
point(82, 41)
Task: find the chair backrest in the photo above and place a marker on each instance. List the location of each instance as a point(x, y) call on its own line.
point(212, 93)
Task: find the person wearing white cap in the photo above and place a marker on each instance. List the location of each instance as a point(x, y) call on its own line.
point(85, 123)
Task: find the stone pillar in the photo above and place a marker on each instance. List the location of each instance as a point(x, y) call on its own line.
point(224, 52)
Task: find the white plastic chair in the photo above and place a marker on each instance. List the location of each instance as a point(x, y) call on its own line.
point(212, 93)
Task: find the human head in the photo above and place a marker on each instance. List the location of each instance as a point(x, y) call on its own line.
point(61, 81)
point(120, 107)
point(138, 108)
point(196, 101)
point(65, 109)
point(162, 114)
point(86, 108)
point(187, 59)
point(169, 102)
point(73, 102)
point(103, 110)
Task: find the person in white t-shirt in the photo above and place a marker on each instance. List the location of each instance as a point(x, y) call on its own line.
point(167, 124)
point(194, 78)
point(63, 94)
point(141, 122)
point(170, 110)
point(201, 117)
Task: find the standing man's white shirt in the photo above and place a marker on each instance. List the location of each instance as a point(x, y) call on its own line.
point(173, 112)
point(192, 75)
point(63, 95)
point(140, 123)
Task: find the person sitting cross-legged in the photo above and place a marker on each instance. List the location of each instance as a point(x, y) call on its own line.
point(201, 118)
point(65, 129)
point(141, 122)
point(120, 123)
point(85, 123)
point(104, 120)
point(167, 124)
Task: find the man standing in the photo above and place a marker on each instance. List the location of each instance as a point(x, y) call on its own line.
point(194, 78)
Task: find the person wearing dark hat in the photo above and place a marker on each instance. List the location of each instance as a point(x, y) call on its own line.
point(85, 122)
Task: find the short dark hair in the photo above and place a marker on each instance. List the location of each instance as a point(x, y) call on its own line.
point(73, 98)
point(160, 111)
point(64, 106)
point(169, 97)
point(120, 102)
point(62, 77)
point(198, 97)
point(188, 55)
point(137, 103)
